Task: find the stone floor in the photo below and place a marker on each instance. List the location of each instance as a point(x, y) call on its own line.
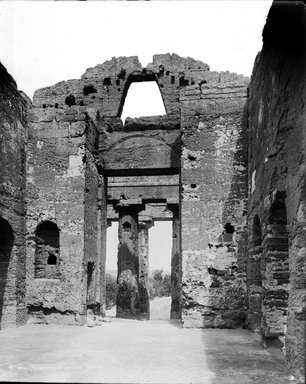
point(130, 351)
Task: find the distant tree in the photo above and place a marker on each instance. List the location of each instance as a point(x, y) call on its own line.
point(159, 284)
point(111, 291)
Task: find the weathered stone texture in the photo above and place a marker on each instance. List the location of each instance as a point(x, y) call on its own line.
point(59, 164)
point(214, 193)
point(276, 124)
point(13, 138)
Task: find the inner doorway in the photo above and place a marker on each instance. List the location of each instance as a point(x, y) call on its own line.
point(160, 248)
point(159, 269)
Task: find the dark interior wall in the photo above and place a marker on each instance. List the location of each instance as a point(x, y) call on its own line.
point(276, 124)
point(13, 134)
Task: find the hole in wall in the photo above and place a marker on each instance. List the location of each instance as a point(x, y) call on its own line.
point(52, 259)
point(191, 158)
point(143, 99)
point(126, 226)
point(47, 250)
point(229, 228)
point(70, 100)
point(122, 74)
point(107, 81)
point(88, 89)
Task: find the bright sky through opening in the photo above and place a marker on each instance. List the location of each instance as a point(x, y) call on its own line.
point(160, 246)
point(143, 99)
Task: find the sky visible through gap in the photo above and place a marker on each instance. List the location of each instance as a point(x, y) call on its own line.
point(160, 246)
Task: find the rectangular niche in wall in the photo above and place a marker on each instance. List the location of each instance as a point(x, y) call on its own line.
point(47, 251)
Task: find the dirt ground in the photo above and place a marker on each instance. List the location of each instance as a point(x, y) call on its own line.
point(131, 351)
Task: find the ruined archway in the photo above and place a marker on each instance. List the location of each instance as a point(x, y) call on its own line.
point(275, 271)
point(6, 246)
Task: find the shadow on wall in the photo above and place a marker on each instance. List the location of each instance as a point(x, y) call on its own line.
point(175, 156)
point(234, 237)
point(128, 294)
point(6, 246)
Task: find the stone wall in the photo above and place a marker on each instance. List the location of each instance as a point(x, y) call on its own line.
point(276, 212)
point(206, 107)
point(13, 134)
point(60, 163)
point(214, 197)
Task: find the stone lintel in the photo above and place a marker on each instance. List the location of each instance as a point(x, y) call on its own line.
point(145, 222)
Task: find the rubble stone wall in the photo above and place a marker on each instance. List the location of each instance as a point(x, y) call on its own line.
point(214, 198)
point(13, 138)
point(276, 211)
point(206, 107)
point(59, 164)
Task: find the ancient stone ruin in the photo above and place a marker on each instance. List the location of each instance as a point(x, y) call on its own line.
point(226, 164)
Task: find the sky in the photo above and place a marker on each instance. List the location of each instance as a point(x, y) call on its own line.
point(159, 251)
point(44, 42)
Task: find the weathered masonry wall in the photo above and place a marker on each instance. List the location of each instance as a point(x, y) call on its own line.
point(60, 162)
point(276, 210)
point(13, 137)
point(214, 198)
point(206, 107)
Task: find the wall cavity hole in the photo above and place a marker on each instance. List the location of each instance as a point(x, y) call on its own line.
point(70, 100)
point(172, 79)
point(52, 259)
point(88, 89)
point(56, 105)
point(229, 228)
point(193, 185)
point(121, 74)
point(191, 158)
point(44, 106)
point(127, 226)
point(107, 81)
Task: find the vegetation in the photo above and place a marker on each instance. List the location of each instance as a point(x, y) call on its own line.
point(111, 291)
point(159, 286)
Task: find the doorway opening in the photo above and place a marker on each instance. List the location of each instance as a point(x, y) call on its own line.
point(157, 270)
point(160, 249)
point(111, 269)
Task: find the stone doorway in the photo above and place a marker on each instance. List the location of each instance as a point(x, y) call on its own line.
point(133, 261)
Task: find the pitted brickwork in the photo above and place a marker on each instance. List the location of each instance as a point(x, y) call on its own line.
point(13, 134)
point(276, 116)
point(225, 165)
point(214, 193)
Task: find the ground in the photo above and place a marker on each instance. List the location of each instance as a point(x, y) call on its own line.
point(131, 351)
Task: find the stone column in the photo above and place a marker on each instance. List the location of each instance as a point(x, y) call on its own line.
point(176, 264)
point(128, 304)
point(143, 250)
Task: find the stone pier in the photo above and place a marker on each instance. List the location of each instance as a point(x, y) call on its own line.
point(176, 267)
point(143, 251)
point(128, 302)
